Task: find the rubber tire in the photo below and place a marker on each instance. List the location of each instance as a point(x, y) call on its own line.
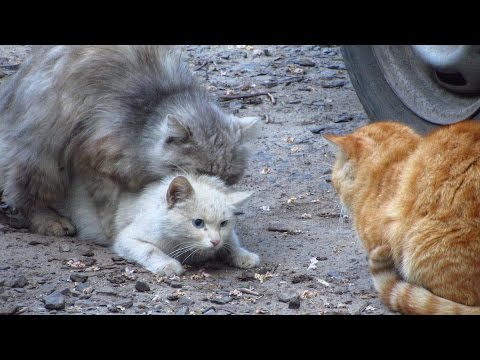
point(377, 97)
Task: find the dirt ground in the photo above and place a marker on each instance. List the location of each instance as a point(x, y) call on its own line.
point(312, 260)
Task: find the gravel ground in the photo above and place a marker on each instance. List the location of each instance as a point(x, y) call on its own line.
point(312, 261)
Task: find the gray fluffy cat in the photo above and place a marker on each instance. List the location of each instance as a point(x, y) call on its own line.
point(181, 219)
point(122, 116)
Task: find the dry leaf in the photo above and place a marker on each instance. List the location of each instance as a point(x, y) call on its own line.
point(291, 200)
point(308, 294)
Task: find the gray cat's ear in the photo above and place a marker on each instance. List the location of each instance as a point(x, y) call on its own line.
point(239, 196)
point(176, 131)
point(178, 191)
point(248, 125)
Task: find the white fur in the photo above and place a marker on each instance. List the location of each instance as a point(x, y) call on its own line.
point(147, 231)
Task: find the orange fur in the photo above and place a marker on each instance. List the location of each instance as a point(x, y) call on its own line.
point(416, 207)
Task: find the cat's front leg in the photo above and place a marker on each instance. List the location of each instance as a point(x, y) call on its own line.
point(135, 247)
point(239, 256)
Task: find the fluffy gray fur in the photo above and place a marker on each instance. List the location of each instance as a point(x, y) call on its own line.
point(122, 116)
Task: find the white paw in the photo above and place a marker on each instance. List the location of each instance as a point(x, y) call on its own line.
point(245, 259)
point(166, 268)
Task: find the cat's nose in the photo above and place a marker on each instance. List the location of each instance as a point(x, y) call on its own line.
point(215, 242)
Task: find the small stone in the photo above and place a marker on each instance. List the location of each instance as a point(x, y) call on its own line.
point(183, 300)
point(9, 309)
point(294, 303)
point(17, 282)
point(89, 261)
point(83, 286)
point(88, 253)
point(127, 303)
point(55, 301)
point(222, 300)
point(270, 83)
point(173, 297)
point(142, 286)
point(64, 248)
point(247, 275)
point(333, 83)
point(301, 278)
point(65, 291)
point(336, 66)
point(80, 278)
point(40, 241)
point(118, 259)
point(184, 310)
point(327, 74)
point(176, 284)
point(113, 309)
point(288, 295)
point(343, 118)
point(267, 52)
point(209, 311)
point(106, 291)
point(304, 62)
point(4, 267)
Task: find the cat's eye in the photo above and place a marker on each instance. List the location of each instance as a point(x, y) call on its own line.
point(198, 223)
point(224, 223)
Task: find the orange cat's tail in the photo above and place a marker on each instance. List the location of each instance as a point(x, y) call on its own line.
point(406, 298)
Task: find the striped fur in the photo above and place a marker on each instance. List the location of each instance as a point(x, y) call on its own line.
point(415, 205)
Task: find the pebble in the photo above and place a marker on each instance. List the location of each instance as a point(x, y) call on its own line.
point(184, 310)
point(127, 303)
point(333, 83)
point(343, 118)
point(288, 295)
point(107, 291)
point(222, 300)
point(117, 259)
point(88, 253)
point(4, 267)
point(183, 300)
point(336, 66)
point(209, 311)
point(76, 277)
point(304, 62)
point(17, 282)
point(55, 301)
point(40, 241)
point(294, 303)
point(173, 297)
point(89, 261)
point(327, 74)
point(142, 286)
point(84, 303)
point(175, 284)
point(9, 309)
point(301, 278)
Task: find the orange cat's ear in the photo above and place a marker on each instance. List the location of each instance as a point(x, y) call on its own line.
point(350, 145)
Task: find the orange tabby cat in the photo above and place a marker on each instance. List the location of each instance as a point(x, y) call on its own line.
point(415, 202)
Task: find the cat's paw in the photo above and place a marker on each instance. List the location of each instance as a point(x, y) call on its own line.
point(245, 259)
point(52, 224)
point(167, 268)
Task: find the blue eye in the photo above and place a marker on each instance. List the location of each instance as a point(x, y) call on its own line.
point(198, 223)
point(224, 223)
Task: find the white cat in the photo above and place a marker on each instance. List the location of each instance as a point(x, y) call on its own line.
point(182, 219)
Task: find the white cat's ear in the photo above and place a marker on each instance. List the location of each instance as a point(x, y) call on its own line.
point(178, 191)
point(248, 125)
point(176, 131)
point(239, 196)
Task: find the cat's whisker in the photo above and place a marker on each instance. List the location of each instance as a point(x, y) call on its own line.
point(194, 252)
point(182, 250)
point(177, 166)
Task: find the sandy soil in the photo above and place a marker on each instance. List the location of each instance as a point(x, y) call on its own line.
point(312, 261)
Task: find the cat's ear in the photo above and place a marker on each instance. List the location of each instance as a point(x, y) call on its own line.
point(248, 125)
point(350, 145)
point(178, 191)
point(176, 131)
point(237, 197)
